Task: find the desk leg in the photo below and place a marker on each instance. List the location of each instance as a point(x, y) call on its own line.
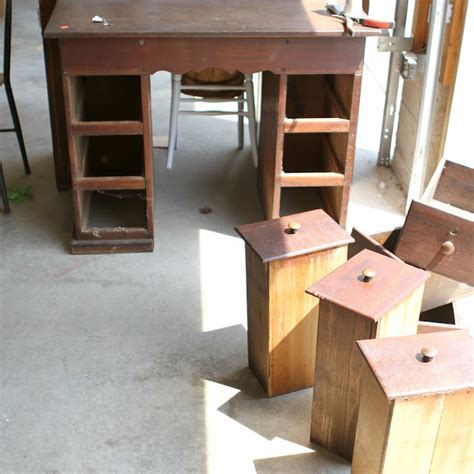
point(56, 100)
point(271, 142)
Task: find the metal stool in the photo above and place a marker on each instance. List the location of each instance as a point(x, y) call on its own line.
point(3, 191)
point(241, 94)
point(5, 81)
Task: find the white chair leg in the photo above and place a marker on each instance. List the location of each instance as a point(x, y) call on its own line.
point(251, 116)
point(240, 123)
point(174, 112)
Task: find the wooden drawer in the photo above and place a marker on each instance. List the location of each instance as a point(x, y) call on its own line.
point(282, 318)
point(416, 406)
point(439, 290)
point(356, 304)
point(437, 240)
point(456, 186)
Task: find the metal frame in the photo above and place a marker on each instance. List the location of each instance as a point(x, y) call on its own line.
point(3, 191)
point(246, 96)
point(8, 88)
point(438, 16)
point(393, 83)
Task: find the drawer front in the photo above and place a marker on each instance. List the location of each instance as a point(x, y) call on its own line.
point(456, 186)
point(424, 242)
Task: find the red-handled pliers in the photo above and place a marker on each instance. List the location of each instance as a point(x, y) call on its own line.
point(337, 11)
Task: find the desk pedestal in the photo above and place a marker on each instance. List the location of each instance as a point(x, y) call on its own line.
point(307, 138)
point(110, 150)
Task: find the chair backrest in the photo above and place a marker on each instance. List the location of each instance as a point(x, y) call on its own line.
point(214, 77)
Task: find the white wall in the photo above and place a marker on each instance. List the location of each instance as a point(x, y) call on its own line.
point(459, 140)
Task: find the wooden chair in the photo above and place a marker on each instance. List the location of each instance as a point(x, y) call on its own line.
point(215, 86)
point(5, 81)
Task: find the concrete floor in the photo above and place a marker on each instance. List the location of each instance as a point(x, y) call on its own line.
point(138, 363)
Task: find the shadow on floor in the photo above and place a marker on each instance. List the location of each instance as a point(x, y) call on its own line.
point(320, 462)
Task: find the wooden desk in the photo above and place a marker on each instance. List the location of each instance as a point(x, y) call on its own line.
point(311, 88)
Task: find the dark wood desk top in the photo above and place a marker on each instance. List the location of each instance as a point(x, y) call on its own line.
point(196, 18)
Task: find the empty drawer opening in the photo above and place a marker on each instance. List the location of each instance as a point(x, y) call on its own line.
point(319, 96)
point(105, 98)
point(295, 200)
point(113, 210)
point(317, 153)
point(101, 156)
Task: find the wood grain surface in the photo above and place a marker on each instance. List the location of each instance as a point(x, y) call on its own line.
point(304, 180)
point(454, 449)
point(102, 162)
point(363, 241)
point(196, 18)
point(272, 240)
point(316, 120)
point(274, 90)
point(135, 56)
point(456, 186)
point(425, 230)
point(56, 99)
point(388, 238)
point(126, 245)
point(413, 431)
point(283, 319)
point(294, 318)
point(320, 128)
point(339, 366)
point(403, 319)
point(337, 378)
point(145, 84)
point(348, 89)
point(428, 434)
point(258, 323)
point(316, 125)
point(439, 290)
point(423, 431)
point(429, 327)
point(396, 363)
point(345, 317)
point(394, 281)
point(373, 424)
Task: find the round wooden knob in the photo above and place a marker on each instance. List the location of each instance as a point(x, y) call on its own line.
point(429, 353)
point(294, 227)
point(447, 248)
point(368, 274)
